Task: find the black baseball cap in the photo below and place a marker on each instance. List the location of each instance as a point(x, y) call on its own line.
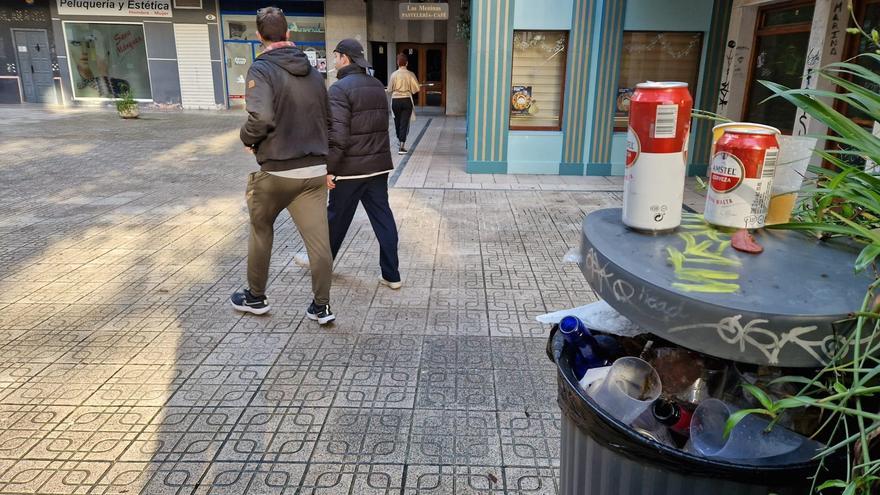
point(354, 50)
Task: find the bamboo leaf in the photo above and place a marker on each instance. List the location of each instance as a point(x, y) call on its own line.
point(759, 394)
point(799, 379)
point(816, 227)
point(867, 257)
point(738, 416)
point(831, 484)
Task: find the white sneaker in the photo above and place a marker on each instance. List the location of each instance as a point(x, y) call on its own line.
point(390, 285)
point(302, 259)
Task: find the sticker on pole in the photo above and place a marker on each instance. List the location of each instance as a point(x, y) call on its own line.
point(633, 147)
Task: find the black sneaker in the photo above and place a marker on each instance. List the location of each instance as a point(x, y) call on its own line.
point(321, 314)
point(249, 303)
point(401, 150)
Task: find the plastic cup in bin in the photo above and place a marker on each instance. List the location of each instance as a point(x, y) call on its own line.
point(628, 390)
point(747, 440)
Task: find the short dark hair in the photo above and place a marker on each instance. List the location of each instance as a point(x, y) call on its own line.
point(271, 24)
point(402, 60)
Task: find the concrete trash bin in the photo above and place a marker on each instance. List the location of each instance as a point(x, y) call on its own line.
point(599, 455)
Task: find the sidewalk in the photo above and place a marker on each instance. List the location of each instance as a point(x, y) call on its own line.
point(124, 370)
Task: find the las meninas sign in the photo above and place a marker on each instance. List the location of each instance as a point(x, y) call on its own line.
point(117, 8)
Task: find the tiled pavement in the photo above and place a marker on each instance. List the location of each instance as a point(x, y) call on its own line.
point(124, 370)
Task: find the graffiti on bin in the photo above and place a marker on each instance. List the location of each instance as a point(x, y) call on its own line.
point(754, 334)
point(614, 288)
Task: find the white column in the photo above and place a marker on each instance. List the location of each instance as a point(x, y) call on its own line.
point(826, 46)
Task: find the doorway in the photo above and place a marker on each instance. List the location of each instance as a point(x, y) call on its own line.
point(428, 62)
point(35, 65)
point(379, 60)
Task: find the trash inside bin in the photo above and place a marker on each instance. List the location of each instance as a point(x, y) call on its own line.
point(601, 455)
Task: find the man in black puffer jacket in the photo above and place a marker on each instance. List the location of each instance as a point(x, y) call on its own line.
point(360, 157)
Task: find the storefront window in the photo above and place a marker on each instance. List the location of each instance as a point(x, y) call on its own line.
point(656, 56)
point(538, 79)
point(107, 60)
point(781, 40)
point(242, 46)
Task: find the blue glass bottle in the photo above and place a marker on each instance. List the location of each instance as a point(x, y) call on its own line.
point(587, 350)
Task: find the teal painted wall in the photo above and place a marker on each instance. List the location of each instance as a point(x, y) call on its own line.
point(534, 152)
point(608, 47)
point(587, 143)
point(667, 15)
point(488, 106)
point(546, 14)
point(576, 125)
point(648, 15)
point(538, 152)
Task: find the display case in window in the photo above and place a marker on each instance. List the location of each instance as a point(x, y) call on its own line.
point(538, 80)
point(655, 56)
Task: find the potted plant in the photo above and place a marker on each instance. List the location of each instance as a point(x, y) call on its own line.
point(127, 107)
point(844, 202)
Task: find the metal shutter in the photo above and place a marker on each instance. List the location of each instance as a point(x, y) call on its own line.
point(194, 65)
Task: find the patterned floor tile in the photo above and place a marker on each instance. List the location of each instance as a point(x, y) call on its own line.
point(236, 478)
point(385, 386)
point(183, 434)
point(274, 434)
point(215, 385)
point(444, 480)
point(354, 435)
point(447, 388)
point(454, 437)
point(530, 439)
point(360, 479)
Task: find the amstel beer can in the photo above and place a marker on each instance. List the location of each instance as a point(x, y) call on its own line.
point(656, 156)
point(741, 178)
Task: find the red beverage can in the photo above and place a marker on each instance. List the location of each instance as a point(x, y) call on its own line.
point(656, 155)
point(741, 177)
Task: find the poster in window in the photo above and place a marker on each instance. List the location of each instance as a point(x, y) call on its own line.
point(624, 97)
point(108, 60)
point(520, 100)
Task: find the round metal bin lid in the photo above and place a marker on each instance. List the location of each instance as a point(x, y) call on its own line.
point(776, 308)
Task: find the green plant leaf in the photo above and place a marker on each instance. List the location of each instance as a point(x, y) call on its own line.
point(792, 403)
point(831, 484)
point(738, 416)
point(799, 379)
point(759, 394)
point(867, 257)
point(816, 227)
point(839, 388)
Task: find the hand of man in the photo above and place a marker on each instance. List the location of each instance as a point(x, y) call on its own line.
point(330, 183)
point(248, 149)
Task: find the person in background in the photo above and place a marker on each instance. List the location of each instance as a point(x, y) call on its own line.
point(402, 85)
point(359, 161)
point(287, 131)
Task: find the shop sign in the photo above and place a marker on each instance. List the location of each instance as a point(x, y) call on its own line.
point(116, 8)
point(424, 11)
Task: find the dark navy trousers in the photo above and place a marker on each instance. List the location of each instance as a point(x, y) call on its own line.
point(372, 192)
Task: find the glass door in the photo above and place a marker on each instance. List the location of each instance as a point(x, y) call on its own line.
point(239, 57)
point(428, 62)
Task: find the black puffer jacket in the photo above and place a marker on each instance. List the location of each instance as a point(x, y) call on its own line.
point(359, 142)
point(287, 111)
